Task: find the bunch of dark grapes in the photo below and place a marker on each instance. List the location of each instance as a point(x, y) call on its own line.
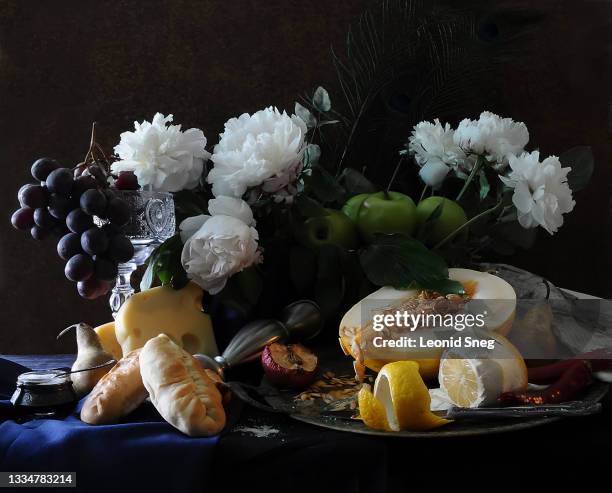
point(64, 204)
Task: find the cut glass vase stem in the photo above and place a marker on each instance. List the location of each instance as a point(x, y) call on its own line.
point(152, 222)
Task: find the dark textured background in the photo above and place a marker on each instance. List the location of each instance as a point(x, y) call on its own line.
point(64, 64)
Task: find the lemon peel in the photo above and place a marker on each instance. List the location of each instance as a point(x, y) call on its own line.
point(400, 401)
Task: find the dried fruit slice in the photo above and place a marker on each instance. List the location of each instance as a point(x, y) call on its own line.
point(289, 365)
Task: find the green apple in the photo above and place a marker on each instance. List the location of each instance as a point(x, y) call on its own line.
point(452, 217)
point(332, 229)
point(352, 206)
point(385, 212)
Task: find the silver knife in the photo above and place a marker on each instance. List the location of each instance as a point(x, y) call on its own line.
point(566, 409)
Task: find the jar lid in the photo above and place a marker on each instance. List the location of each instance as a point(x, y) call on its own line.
point(43, 377)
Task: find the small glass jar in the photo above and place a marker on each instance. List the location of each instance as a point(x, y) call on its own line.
point(44, 394)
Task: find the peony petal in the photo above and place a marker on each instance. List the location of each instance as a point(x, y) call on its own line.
point(433, 173)
point(189, 226)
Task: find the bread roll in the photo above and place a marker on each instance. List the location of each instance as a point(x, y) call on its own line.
point(180, 389)
point(117, 393)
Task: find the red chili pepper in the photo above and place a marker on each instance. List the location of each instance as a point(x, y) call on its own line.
point(574, 379)
point(544, 375)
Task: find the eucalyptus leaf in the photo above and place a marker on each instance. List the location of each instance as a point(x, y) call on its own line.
point(307, 117)
point(397, 260)
point(312, 154)
point(582, 162)
point(321, 100)
point(485, 187)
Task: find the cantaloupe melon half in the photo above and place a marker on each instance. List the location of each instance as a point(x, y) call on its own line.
point(498, 296)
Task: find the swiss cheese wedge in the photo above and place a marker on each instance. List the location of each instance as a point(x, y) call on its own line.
point(176, 313)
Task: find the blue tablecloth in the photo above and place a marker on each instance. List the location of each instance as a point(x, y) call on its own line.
point(143, 453)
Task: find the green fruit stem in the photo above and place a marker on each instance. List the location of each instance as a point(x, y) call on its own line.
point(467, 224)
point(479, 163)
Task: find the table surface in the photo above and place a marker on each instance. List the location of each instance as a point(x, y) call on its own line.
point(289, 451)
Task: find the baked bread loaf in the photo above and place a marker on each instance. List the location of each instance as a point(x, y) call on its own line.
point(117, 393)
point(180, 389)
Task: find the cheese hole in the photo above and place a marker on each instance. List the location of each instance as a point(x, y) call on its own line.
point(190, 343)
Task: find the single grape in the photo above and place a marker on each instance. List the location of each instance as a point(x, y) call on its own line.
point(83, 183)
point(39, 233)
point(127, 181)
point(105, 269)
point(79, 169)
point(94, 241)
point(43, 167)
point(118, 212)
point(92, 288)
point(59, 206)
point(80, 267)
point(93, 202)
point(44, 219)
point(60, 181)
point(120, 248)
point(78, 221)
point(69, 246)
point(98, 173)
point(33, 196)
point(23, 218)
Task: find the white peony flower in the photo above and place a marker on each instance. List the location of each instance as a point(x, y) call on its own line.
point(220, 245)
point(493, 136)
point(265, 149)
point(435, 151)
point(161, 155)
point(541, 192)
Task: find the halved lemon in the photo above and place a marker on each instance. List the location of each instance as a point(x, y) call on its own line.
point(475, 382)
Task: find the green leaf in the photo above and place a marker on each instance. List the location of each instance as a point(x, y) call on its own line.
point(397, 260)
point(355, 182)
point(188, 203)
point(309, 207)
point(446, 286)
point(323, 185)
point(329, 284)
point(485, 187)
point(250, 283)
point(321, 100)
point(165, 264)
point(581, 160)
point(150, 274)
point(305, 115)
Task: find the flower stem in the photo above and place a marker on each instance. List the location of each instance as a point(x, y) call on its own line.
point(397, 167)
point(473, 173)
point(467, 224)
point(423, 194)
